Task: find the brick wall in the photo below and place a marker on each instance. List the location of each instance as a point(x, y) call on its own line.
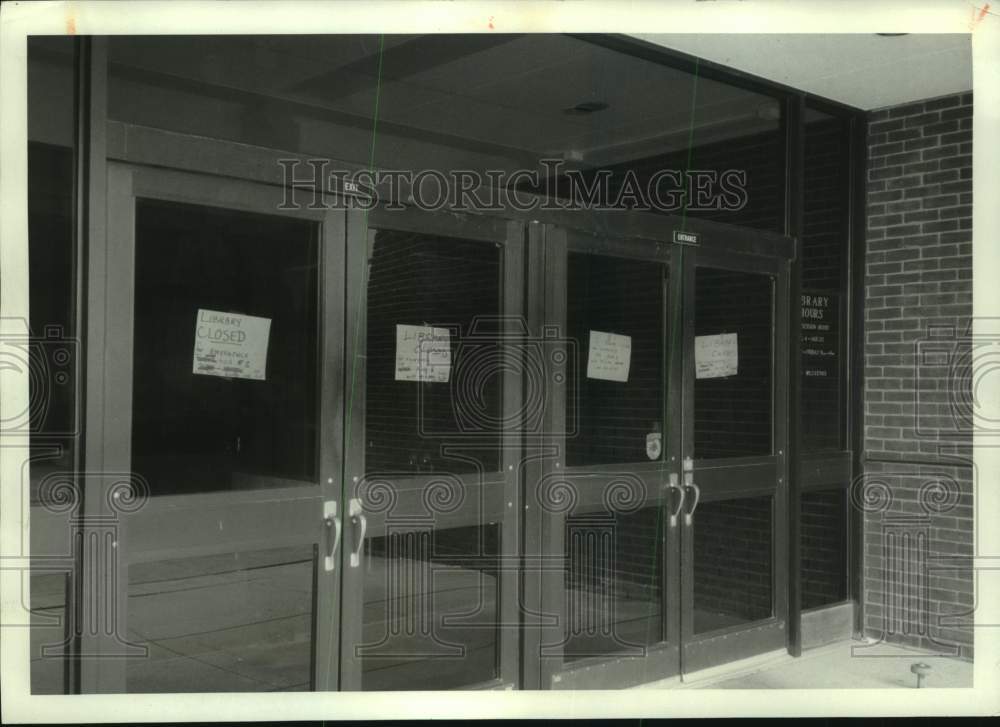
point(918, 477)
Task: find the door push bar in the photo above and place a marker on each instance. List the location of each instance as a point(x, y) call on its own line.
point(332, 523)
point(357, 513)
point(680, 500)
point(690, 485)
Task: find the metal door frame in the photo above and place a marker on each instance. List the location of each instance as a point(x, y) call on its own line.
point(546, 512)
point(640, 237)
point(140, 527)
point(759, 475)
point(497, 496)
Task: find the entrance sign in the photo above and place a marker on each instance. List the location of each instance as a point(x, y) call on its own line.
point(609, 357)
point(685, 238)
point(716, 356)
point(231, 345)
point(423, 353)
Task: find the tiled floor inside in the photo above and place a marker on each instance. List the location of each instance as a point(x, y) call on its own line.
point(844, 665)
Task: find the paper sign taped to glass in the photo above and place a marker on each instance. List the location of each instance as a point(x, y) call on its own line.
point(231, 345)
point(716, 356)
point(609, 357)
point(423, 353)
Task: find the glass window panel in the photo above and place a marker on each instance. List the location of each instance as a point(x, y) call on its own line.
point(320, 94)
point(431, 609)
point(198, 432)
point(233, 622)
point(434, 282)
point(607, 421)
point(733, 412)
point(732, 172)
point(474, 101)
point(695, 146)
point(825, 239)
point(733, 562)
point(614, 583)
point(824, 547)
point(825, 185)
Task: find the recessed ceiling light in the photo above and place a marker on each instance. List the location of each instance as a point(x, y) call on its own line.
point(891, 35)
point(586, 107)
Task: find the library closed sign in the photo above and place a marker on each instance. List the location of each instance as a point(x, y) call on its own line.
point(231, 345)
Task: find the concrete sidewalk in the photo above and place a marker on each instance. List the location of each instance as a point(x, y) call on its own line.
point(844, 665)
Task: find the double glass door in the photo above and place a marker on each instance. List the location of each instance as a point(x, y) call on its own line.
point(328, 450)
point(300, 505)
point(661, 468)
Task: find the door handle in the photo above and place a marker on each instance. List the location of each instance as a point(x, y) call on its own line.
point(357, 514)
point(332, 524)
point(680, 501)
point(689, 484)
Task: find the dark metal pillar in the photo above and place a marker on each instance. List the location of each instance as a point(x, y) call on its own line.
point(794, 200)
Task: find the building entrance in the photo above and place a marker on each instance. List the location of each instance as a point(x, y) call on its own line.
point(660, 528)
point(403, 450)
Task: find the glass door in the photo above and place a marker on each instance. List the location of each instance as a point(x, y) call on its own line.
point(221, 385)
point(658, 482)
point(433, 412)
point(733, 464)
point(606, 499)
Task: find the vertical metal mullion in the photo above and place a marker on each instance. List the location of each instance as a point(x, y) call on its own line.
point(688, 261)
point(74, 596)
point(673, 325)
point(98, 672)
point(783, 345)
point(794, 199)
point(553, 524)
point(355, 373)
point(529, 514)
point(513, 396)
point(855, 339)
point(332, 244)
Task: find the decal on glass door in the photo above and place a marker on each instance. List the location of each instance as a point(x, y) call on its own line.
point(654, 442)
point(231, 345)
point(423, 353)
point(819, 335)
point(609, 357)
point(716, 356)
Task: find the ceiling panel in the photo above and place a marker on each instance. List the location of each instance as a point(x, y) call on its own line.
point(867, 70)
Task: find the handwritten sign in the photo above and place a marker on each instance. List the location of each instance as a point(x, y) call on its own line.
point(231, 345)
point(423, 353)
point(716, 356)
point(609, 357)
